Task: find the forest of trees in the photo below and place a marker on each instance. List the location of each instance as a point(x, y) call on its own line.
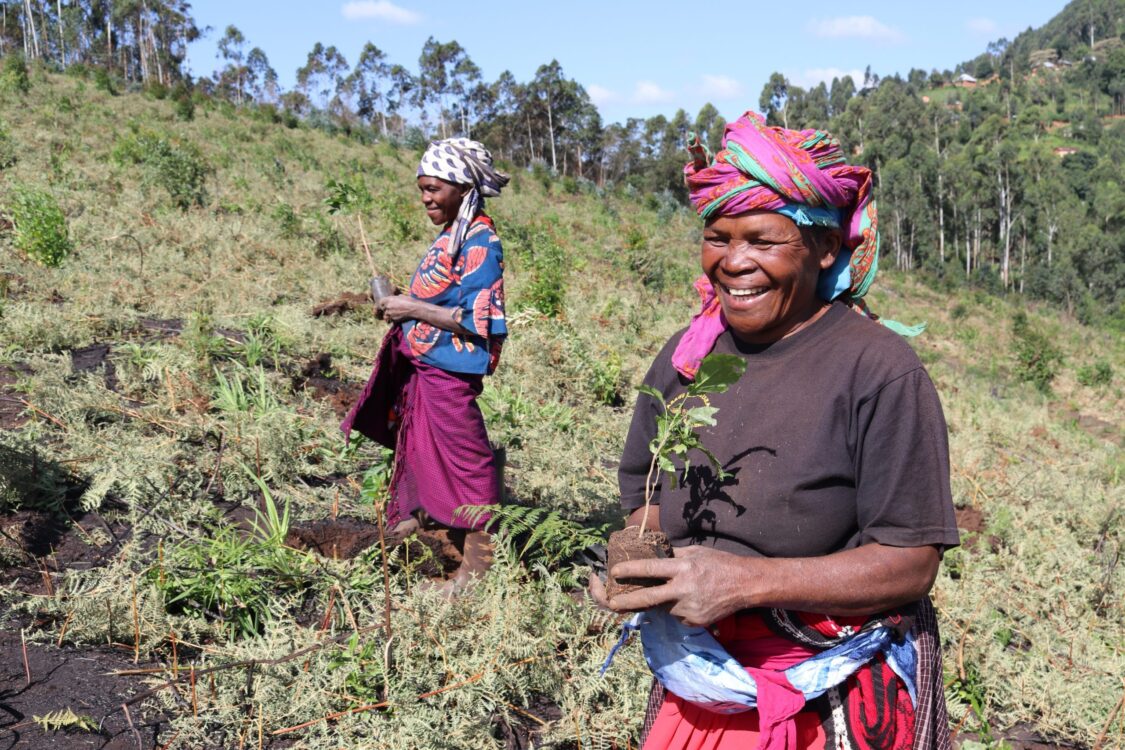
point(1011, 183)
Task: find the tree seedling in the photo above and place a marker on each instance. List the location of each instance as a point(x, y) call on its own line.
point(677, 435)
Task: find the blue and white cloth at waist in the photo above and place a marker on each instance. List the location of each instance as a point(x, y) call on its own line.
point(690, 663)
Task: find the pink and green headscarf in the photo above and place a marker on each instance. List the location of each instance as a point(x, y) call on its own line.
point(798, 173)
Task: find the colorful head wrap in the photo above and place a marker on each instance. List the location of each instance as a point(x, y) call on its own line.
point(798, 173)
point(463, 162)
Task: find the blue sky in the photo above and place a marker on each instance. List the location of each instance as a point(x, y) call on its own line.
point(636, 59)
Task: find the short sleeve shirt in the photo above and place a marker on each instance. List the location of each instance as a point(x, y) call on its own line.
point(472, 281)
point(834, 437)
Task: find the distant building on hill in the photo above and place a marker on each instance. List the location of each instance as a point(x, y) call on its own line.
point(965, 81)
point(1061, 151)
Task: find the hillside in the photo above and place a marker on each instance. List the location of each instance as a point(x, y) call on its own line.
point(179, 374)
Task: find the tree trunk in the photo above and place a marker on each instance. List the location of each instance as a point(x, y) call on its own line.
point(551, 130)
point(62, 37)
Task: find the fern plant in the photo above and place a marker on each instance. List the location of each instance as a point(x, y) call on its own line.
point(537, 535)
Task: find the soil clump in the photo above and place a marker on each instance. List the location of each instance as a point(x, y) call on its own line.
point(627, 544)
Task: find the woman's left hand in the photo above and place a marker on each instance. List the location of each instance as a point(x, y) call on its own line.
point(398, 307)
point(703, 585)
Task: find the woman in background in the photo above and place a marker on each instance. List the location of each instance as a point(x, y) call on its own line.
point(446, 335)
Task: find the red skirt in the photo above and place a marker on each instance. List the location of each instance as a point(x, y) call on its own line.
point(871, 710)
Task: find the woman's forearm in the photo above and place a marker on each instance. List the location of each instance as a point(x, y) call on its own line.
point(704, 585)
point(859, 581)
point(401, 307)
point(445, 318)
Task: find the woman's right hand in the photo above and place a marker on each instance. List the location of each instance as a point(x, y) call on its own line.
point(397, 308)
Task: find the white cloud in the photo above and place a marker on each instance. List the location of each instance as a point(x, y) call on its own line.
point(382, 10)
point(810, 77)
point(981, 25)
point(600, 95)
point(648, 92)
point(720, 87)
point(855, 27)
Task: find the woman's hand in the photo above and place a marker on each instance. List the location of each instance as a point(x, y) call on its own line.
point(702, 584)
point(397, 308)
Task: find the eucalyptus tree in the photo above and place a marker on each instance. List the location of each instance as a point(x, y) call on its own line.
point(445, 72)
point(322, 76)
point(234, 75)
point(366, 84)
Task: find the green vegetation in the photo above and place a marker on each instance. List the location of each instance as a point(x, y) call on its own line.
point(38, 225)
point(215, 421)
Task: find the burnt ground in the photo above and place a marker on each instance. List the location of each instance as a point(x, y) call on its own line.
point(37, 547)
point(78, 679)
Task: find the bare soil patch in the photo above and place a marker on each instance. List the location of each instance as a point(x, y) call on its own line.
point(347, 302)
point(318, 376)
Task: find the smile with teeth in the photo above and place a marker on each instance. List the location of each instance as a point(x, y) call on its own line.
point(754, 292)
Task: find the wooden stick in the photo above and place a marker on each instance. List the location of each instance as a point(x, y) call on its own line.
point(366, 249)
point(136, 626)
point(1098, 743)
point(26, 665)
point(136, 734)
point(54, 420)
point(379, 518)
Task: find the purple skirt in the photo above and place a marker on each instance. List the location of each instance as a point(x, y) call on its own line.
point(430, 418)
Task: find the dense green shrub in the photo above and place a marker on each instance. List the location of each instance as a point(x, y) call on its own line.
point(1037, 359)
point(13, 76)
point(546, 292)
point(1095, 374)
point(8, 155)
point(176, 166)
point(39, 226)
point(103, 81)
point(184, 101)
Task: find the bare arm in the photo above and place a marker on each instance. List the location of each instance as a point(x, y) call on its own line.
point(402, 307)
point(704, 585)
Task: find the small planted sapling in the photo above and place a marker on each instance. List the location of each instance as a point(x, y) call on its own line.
point(677, 435)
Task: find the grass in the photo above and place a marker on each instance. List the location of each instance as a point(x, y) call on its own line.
point(1031, 606)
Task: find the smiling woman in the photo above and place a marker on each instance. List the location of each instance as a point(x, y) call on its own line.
point(833, 496)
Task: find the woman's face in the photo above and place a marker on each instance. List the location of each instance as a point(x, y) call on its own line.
point(764, 273)
point(442, 199)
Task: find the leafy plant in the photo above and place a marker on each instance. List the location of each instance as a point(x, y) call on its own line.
point(8, 153)
point(546, 292)
point(246, 391)
point(176, 166)
point(679, 420)
point(1096, 374)
point(1037, 359)
point(14, 76)
point(230, 578)
point(354, 199)
point(364, 661)
point(39, 226)
point(288, 221)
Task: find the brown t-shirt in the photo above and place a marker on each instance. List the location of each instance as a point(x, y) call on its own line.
point(833, 438)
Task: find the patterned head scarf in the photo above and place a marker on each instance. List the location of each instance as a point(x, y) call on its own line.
point(798, 173)
point(463, 162)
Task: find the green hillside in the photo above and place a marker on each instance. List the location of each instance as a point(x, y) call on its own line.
point(169, 379)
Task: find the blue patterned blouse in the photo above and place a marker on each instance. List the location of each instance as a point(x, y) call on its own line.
point(471, 281)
